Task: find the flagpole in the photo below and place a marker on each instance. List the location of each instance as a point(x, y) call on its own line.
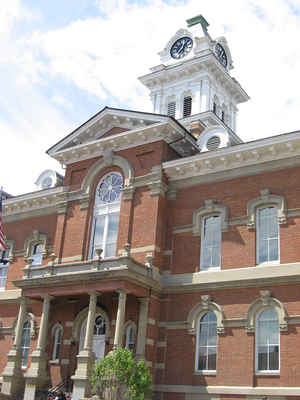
point(2, 237)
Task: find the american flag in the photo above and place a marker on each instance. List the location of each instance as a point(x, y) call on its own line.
point(2, 237)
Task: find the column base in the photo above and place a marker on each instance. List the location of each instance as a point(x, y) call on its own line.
point(37, 377)
point(13, 379)
point(81, 379)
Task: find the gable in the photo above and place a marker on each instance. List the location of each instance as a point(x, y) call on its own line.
point(114, 131)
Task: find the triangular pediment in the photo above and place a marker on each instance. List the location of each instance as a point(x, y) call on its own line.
point(108, 122)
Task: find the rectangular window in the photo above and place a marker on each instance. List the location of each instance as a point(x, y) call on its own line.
point(211, 243)
point(172, 109)
point(4, 261)
point(106, 234)
point(187, 106)
point(267, 235)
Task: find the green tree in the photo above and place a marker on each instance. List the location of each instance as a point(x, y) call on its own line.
point(118, 374)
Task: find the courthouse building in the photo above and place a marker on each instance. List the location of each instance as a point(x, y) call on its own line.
point(168, 235)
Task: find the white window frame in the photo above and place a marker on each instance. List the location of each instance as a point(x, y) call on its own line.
point(204, 248)
point(206, 371)
point(4, 268)
point(258, 235)
point(106, 210)
point(130, 340)
point(57, 342)
point(37, 258)
point(267, 371)
point(26, 332)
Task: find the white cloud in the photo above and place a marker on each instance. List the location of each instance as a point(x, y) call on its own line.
point(104, 56)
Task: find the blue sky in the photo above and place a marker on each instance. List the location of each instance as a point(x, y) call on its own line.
point(62, 61)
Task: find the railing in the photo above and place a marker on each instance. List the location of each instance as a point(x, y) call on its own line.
point(98, 264)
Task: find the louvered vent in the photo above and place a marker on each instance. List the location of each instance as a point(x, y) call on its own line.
point(172, 109)
point(213, 143)
point(187, 106)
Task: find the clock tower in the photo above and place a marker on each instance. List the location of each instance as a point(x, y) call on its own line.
point(193, 84)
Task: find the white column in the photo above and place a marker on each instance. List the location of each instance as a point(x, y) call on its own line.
point(85, 358)
point(178, 113)
point(205, 95)
point(196, 100)
point(142, 330)
point(88, 340)
point(120, 318)
point(43, 332)
point(20, 324)
point(13, 380)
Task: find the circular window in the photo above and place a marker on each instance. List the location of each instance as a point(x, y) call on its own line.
point(47, 182)
point(213, 143)
point(110, 188)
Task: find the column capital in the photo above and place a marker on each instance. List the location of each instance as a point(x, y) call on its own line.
point(47, 297)
point(144, 300)
point(94, 293)
point(123, 291)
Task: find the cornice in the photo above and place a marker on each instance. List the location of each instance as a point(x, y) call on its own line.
point(52, 201)
point(168, 131)
point(255, 157)
point(206, 63)
point(33, 204)
point(257, 276)
point(102, 122)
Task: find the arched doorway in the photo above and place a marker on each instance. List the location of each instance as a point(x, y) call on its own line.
point(99, 335)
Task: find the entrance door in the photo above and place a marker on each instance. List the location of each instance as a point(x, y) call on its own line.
point(98, 337)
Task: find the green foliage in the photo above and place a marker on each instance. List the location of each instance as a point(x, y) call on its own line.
point(119, 371)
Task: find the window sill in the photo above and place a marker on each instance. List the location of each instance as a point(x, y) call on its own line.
point(267, 373)
point(209, 269)
point(268, 263)
point(211, 373)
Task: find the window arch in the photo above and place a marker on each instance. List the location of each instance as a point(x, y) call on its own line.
point(265, 214)
point(57, 341)
point(106, 215)
point(4, 263)
point(211, 238)
point(209, 222)
point(267, 240)
point(267, 341)
point(207, 339)
point(130, 333)
point(37, 253)
point(25, 343)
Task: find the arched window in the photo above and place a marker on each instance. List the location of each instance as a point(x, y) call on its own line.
point(106, 215)
point(25, 344)
point(37, 254)
point(130, 337)
point(98, 336)
point(57, 342)
point(206, 352)
point(267, 234)
point(211, 238)
point(267, 341)
point(4, 262)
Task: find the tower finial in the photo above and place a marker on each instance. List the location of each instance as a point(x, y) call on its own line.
point(199, 19)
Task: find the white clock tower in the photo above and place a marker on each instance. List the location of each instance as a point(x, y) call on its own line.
point(193, 84)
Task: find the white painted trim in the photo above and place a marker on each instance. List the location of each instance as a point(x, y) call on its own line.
point(228, 390)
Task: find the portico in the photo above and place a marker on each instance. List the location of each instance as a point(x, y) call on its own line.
point(101, 310)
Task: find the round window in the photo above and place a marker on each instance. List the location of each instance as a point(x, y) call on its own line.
point(110, 188)
point(213, 143)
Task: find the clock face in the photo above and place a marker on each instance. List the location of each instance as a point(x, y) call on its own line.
point(181, 47)
point(47, 182)
point(220, 52)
